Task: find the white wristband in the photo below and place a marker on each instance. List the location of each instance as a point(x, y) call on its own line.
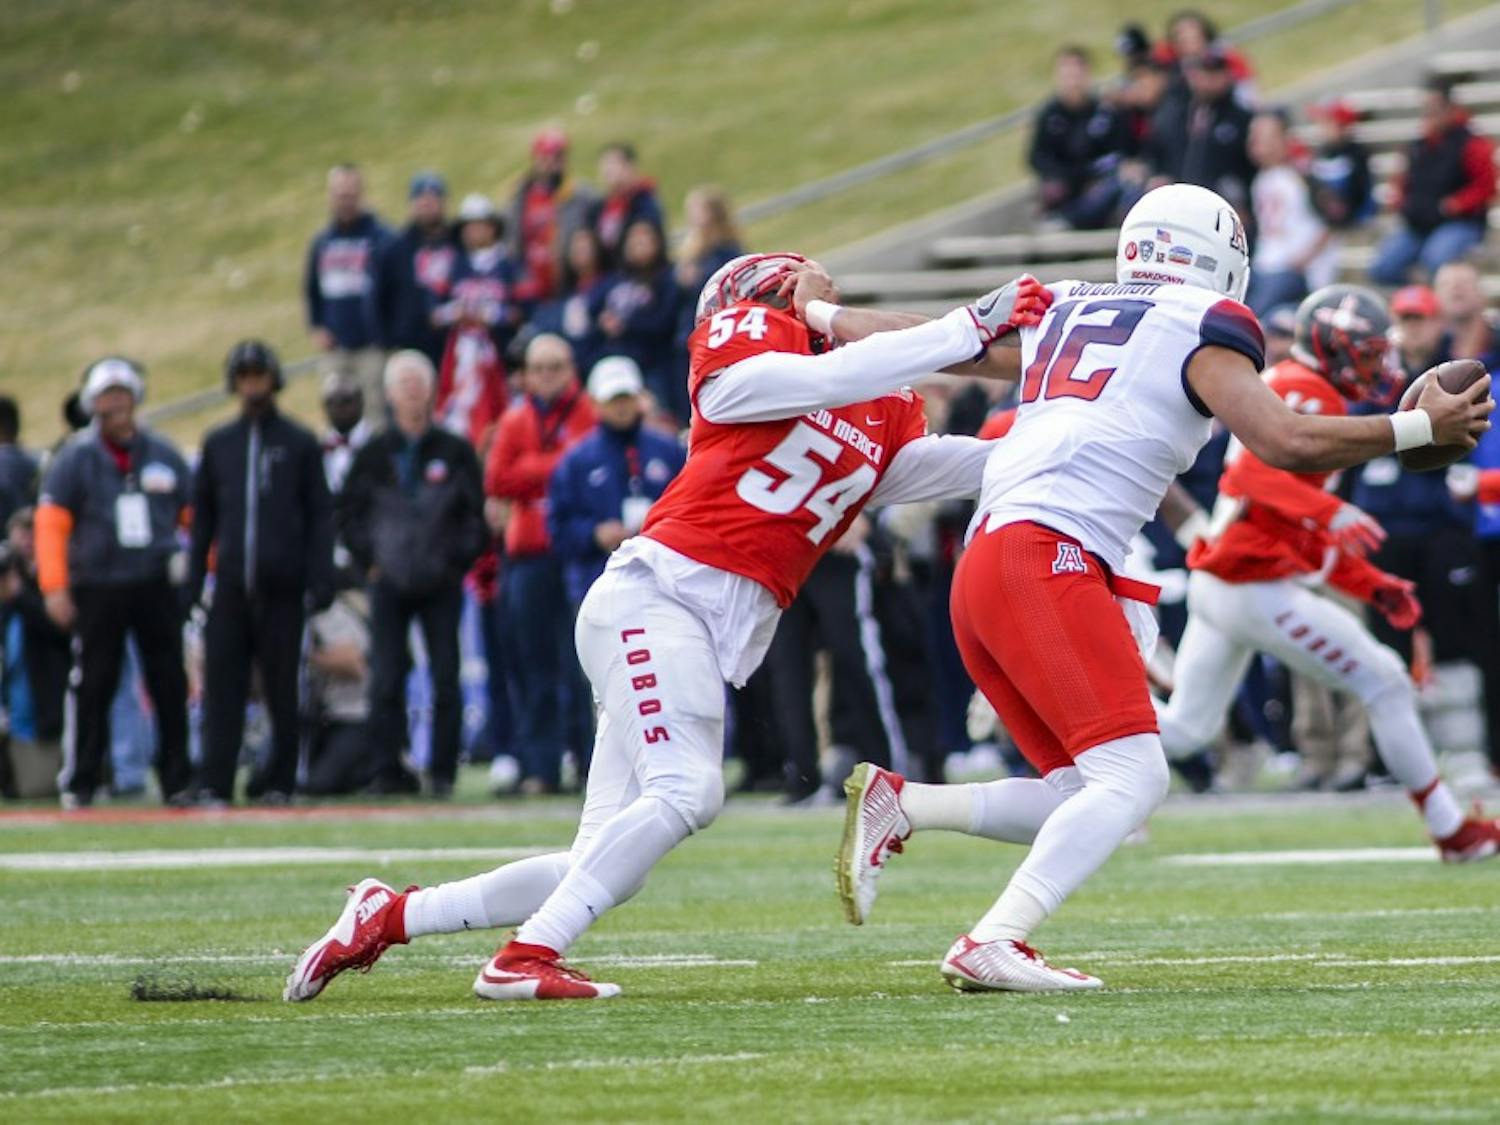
point(1413, 428)
point(819, 316)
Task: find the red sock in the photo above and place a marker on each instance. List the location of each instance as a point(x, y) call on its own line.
point(1419, 796)
point(520, 949)
point(395, 921)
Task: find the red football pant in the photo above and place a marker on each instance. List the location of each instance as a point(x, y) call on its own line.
point(1045, 641)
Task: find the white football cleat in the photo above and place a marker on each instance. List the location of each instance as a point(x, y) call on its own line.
point(875, 828)
point(356, 941)
point(533, 972)
point(1008, 966)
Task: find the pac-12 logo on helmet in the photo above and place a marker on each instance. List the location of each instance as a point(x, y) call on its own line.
point(750, 277)
point(1343, 333)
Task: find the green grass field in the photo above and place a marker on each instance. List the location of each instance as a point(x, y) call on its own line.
point(1352, 992)
point(164, 159)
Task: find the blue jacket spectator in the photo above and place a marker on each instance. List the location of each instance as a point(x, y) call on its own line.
point(638, 316)
point(416, 271)
point(629, 198)
point(343, 265)
point(481, 290)
point(574, 313)
point(603, 486)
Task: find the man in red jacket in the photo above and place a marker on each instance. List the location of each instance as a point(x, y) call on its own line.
point(553, 415)
point(1275, 539)
point(1444, 195)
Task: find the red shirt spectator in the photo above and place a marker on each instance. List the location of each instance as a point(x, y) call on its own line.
point(548, 206)
point(531, 438)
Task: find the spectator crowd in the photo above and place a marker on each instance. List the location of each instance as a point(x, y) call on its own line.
point(1187, 110)
point(361, 609)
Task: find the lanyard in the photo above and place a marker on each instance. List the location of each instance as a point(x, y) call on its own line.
point(633, 469)
point(548, 430)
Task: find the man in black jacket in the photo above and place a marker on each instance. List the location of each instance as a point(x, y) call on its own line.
point(412, 515)
point(260, 502)
point(1207, 146)
point(1077, 146)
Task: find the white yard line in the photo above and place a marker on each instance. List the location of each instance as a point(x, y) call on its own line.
point(501, 1067)
point(504, 1067)
point(1312, 960)
point(174, 859)
point(167, 961)
point(1302, 856)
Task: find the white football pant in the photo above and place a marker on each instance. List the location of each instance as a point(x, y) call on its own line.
point(1229, 622)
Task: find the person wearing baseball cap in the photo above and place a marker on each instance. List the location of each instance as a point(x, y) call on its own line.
point(546, 208)
point(112, 502)
point(416, 269)
point(604, 486)
point(1343, 190)
point(1421, 337)
point(262, 512)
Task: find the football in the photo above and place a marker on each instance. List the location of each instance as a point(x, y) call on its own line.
point(1454, 376)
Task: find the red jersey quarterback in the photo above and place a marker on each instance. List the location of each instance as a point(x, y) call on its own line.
point(1276, 540)
point(790, 438)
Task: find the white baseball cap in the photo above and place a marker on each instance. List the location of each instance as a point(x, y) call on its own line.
point(108, 373)
point(613, 376)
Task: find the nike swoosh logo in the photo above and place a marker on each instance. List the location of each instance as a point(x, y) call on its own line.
point(504, 978)
point(874, 421)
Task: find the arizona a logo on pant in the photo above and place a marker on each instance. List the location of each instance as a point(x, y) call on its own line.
point(1069, 560)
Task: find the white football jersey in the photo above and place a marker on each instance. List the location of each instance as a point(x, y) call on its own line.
point(1106, 417)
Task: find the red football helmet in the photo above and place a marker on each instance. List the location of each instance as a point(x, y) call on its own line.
point(1343, 332)
point(750, 277)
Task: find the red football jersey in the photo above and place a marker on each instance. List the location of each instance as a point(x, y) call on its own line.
point(766, 499)
point(1283, 531)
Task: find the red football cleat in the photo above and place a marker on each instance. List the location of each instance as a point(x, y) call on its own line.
point(366, 928)
point(534, 972)
point(1478, 837)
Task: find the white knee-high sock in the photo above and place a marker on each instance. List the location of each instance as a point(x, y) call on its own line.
point(505, 896)
point(1407, 754)
point(1123, 781)
point(1010, 810)
point(611, 869)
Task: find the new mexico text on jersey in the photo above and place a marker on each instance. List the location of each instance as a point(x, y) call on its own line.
point(1106, 417)
point(814, 470)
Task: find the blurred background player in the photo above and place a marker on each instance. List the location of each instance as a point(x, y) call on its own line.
point(778, 471)
point(1281, 535)
point(1122, 383)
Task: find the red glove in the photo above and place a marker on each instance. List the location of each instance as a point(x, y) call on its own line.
point(1355, 532)
point(1017, 304)
point(1397, 602)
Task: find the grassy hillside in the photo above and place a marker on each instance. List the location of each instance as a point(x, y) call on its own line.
point(164, 159)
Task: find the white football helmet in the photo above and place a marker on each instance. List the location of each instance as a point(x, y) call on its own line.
point(1188, 235)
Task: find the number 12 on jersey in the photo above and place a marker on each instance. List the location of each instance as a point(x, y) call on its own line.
point(803, 455)
point(1053, 366)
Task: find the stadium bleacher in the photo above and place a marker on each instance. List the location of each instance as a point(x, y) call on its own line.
point(957, 265)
